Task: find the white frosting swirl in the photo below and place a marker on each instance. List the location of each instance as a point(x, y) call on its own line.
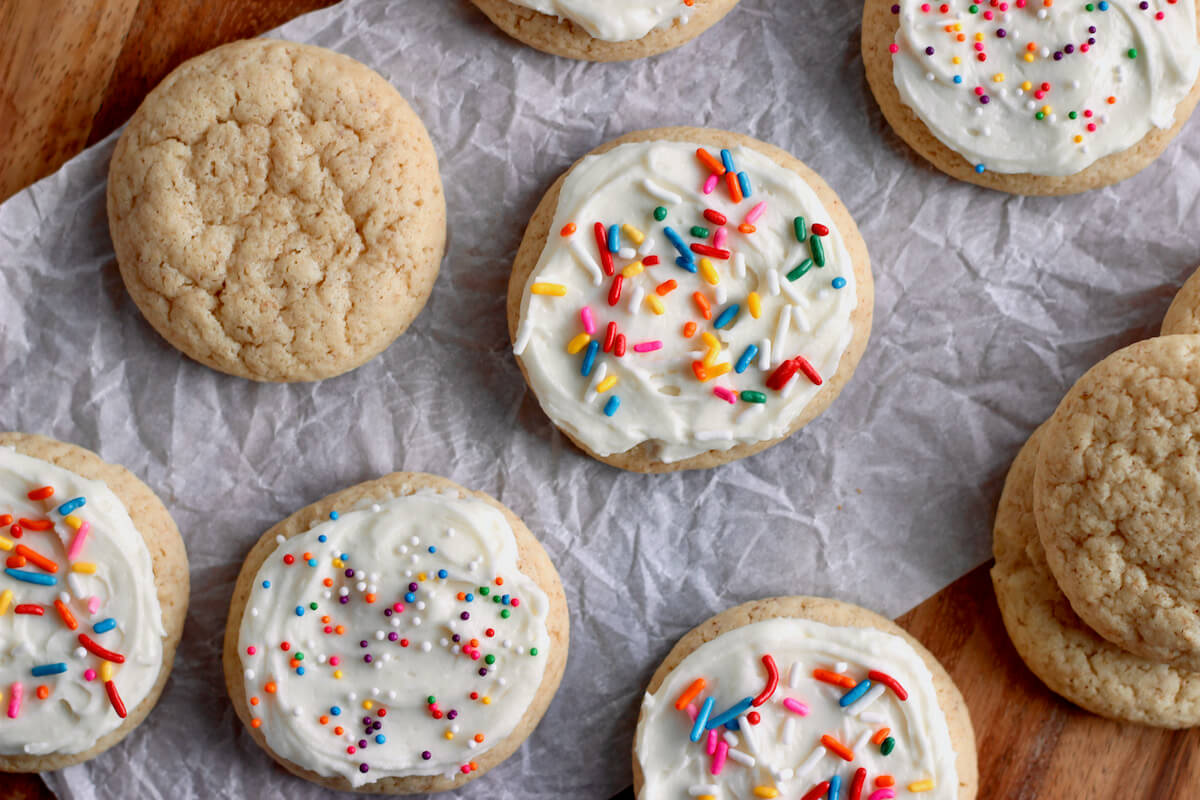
point(784, 750)
point(661, 397)
point(614, 20)
point(121, 588)
point(410, 652)
point(1145, 60)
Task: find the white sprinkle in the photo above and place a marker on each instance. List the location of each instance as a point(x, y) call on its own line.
point(781, 327)
point(741, 758)
point(420, 605)
point(811, 762)
point(739, 265)
point(764, 354)
point(280, 539)
point(773, 282)
point(731, 738)
point(861, 704)
point(794, 675)
point(647, 247)
point(722, 293)
point(789, 386)
point(374, 691)
point(322, 658)
point(627, 253)
point(426, 647)
point(254, 612)
point(391, 695)
point(598, 375)
point(376, 508)
point(249, 674)
point(872, 718)
point(659, 193)
point(794, 294)
point(703, 788)
point(344, 591)
point(789, 727)
point(586, 259)
point(635, 299)
point(861, 741)
point(748, 734)
point(416, 621)
point(840, 667)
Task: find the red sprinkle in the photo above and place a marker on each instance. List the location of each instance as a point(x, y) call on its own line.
point(36, 524)
point(5, 519)
point(610, 337)
point(606, 259)
point(30, 608)
point(888, 681)
point(14, 562)
point(618, 351)
point(711, 252)
point(856, 786)
point(650, 261)
point(817, 791)
point(16, 531)
point(819, 230)
point(715, 217)
point(41, 494)
point(809, 370)
point(289, 559)
point(614, 294)
point(772, 681)
point(34, 557)
point(113, 697)
point(97, 650)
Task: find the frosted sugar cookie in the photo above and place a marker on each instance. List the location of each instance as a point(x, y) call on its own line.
point(93, 596)
point(802, 697)
point(276, 211)
point(687, 297)
point(401, 636)
point(1034, 97)
point(613, 30)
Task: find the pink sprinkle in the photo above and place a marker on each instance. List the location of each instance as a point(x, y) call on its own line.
point(691, 711)
point(89, 675)
point(725, 394)
point(882, 794)
point(647, 347)
point(77, 543)
point(334, 660)
point(710, 185)
point(515, 602)
point(251, 650)
point(718, 762)
point(756, 213)
point(720, 238)
point(93, 604)
point(711, 746)
point(398, 607)
point(14, 700)
point(589, 322)
point(795, 706)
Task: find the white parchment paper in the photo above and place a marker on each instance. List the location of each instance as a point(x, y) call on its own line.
point(988, 307)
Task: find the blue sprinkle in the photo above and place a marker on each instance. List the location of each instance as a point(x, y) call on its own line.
point(839, 283)
point(266, 584)
point(442, 573)
point(322, 538)
point(49, 669)
point(686, 262)
point(299, 611)
point(727, 316)
point(701, 719)
point(71, 505)
point(855, 693)
point(333, 515)
point(612, 405)
point(727, 160)
point(732, 725)
point(748, 355)
point(835, 787)
point(744, 182)
point(336, 711)
point(1103, 5)
point(344, 556)
point(432, 549)
point(589, 358)
point(410, 598)
point(980, 168)
point(312, 562)
point(105, 625)
point(958, 78)
point(677, 241)
point(31, 577)
point(614, 239)
point(299, 670)
point(505, 599)
point(470, 597)
point(729, 714)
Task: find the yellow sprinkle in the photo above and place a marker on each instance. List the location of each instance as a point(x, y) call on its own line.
point(5, 599)
point(551, 289)
point(956, 60)
point(709, 272)
point(421, 576)
point(368, 705)
point(712, 341)
point(448, 735)
point(6, 544)
point(106, 669)
point(921, 786)
point(75, 522)
point(766, 791)
point(717, 370)
point(337, 673)
point(979, 37)
point(957, 27)
point(755, 303)
point(578, 343)
point(86, 567)
point(1029, 57)
point(1027, 86)
point(998, 77)
point(607, 384)
point(487, 701)
point(710, 358)
point(633, 270)
point(338, 563)
point(1047, 110)
point(633, 234)
point(707, 797)
point(1078, 138)
point(656, 304)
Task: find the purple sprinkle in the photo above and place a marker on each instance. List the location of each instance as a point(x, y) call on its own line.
point(451, 714)
point(426, 755)
point(1091, 29)
point(1143, 5)
point(376, 725)
point(483, 672)
point(393, 636)
point(456, 638)
point(1069, 49)
point(929, 51)
point(349, 573)
point(1091, 40)
point(412, 587)
point(1001, 33)
point(367, 658)
point(985, 99)
point(363, 643)
point(464, 615)
point(363, 767)
point(896, 9)
point(366, 720)
point(362, 744)
point(343, 599)
point(387, 612)
point(1058, 56)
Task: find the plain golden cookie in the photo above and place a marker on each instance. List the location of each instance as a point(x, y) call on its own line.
point(643, 458)
point(879, 28)
point(1117, 498)
point(1054, 642)
point(839, 614)
point(167, 554)
point(532, 562)
point(1184, 314)
point(565, 38)
point(276, 211)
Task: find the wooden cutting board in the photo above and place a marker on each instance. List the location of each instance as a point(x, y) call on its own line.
point(73, 70)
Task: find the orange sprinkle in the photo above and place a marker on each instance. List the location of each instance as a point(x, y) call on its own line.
point(689, 330)
point(747, 228)
point(1112, 100)
point(67, 617)
point(36, 524)
point(735, 188)
point(837, 748)
point(307, 556)
point(324, 719)
point(5, 519)
point(702, 304)
point(689, 694)
point(42, 493)
point(43, 692)
point(880, 735)
point(568, 229)
point(474, 643)
point(270, 687)
point(666, 287)
point(462, 595)
point(327, 582)
point(700, 370)
point(825, 676)
point(884, 781)
point(325, 619)
point(339, 730)
point(254, 701)
point(339, 630)
point(369, 597)
point(499, 581)
point(706, 158)
point(34, 557)
point(479, 737)
point(256, 723)
point(295, 662)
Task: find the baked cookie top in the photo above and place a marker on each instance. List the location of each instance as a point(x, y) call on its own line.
point(1071, 658)
point(615, 20)
point(81, 628)
point(688, 298)
point(277, 211)
point(1117, 497)
point(398, 638)
point(1032, 87)
point(788, 707)
point(1184, 314)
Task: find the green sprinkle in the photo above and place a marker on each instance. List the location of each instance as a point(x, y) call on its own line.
point(660, 213)
point(533, 651)
point(974, 9)
point(485, 591)
point(430, 700)
point(495, 598)
point(802, 270)
point(889, 744)
point(313, 606)
point(489, 659)
point(1040, 115)
point(801, 229)
point(1133, 52)
point(699, 233)
point(505, 614)
point(818, 250)
point(1073, 115)
point(1090, 7)
point(754, 397)
point(299, 656)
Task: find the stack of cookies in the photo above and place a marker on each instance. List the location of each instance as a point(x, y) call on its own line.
point(1097, 554)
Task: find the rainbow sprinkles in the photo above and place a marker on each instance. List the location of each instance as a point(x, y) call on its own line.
point(694, 299)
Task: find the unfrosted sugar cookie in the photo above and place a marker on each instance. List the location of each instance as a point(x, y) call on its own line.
point(277, 211)
point(801, 697)
point(401, 636)
point(612, 30)
point(1030, 96)
point(1184, 314)
point(687, 297)
point(93, 596)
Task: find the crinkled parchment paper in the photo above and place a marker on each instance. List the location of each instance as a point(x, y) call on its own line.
point(989, 306)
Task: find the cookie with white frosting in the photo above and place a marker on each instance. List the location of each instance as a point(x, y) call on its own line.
point(1033, 97)
point(685, 297)
point(93, 596)
point(614, 30)
point(401, 636)
point(802, 697)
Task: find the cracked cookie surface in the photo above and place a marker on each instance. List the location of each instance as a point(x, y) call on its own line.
point(276, 211)
point(1069, 657)
point(1184, 314)
point(1117, 498)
